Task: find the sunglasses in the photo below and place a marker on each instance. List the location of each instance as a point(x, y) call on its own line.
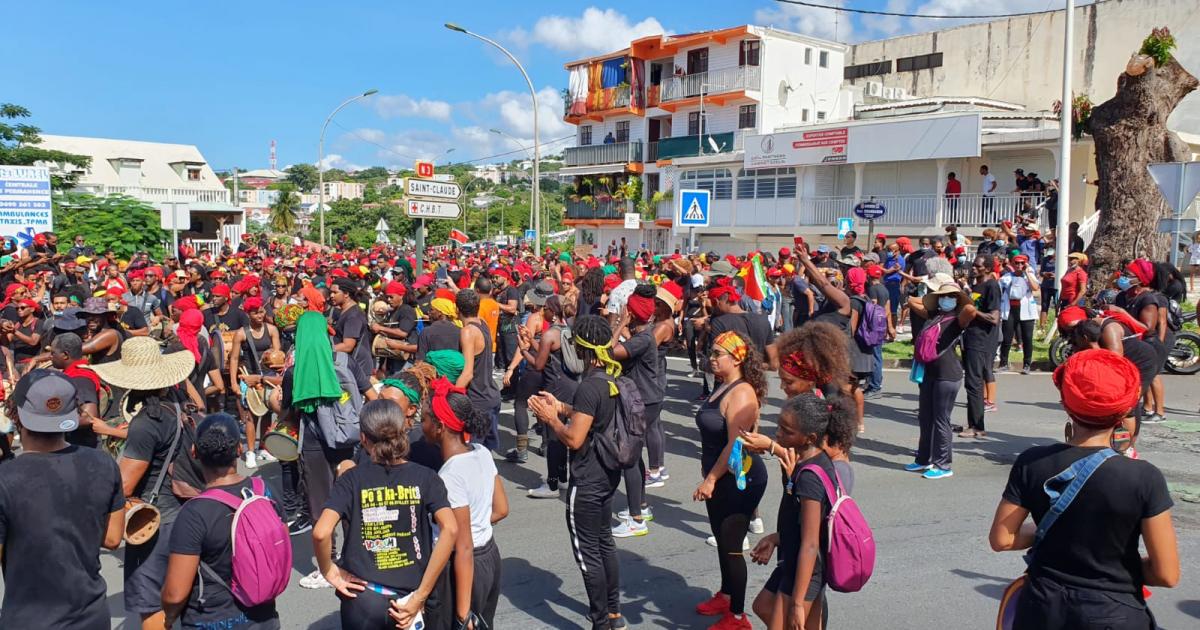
point(717, 354)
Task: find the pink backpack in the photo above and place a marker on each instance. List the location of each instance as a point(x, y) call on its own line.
point(262, 549)
point(850, 558)
point(925, 347)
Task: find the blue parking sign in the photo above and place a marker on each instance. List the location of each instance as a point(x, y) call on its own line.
point(530, 235)
point(693, 208)
point(845, 224)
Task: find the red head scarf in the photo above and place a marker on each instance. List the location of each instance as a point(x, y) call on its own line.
point(857, 279)
point(188, 331)
point(1143, 270)
point(221, 289)
point(396, 288)
point(1098, 388)
point(440, 404)
point(642, 308)
point(722, 291)
point(186, 303)
point(316, 301)
point(1070, 316)
point(252, 304)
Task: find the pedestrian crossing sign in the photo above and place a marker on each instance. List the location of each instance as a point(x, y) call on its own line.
point(693, 208)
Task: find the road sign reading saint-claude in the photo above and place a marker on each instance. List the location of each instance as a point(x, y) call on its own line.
point(422, 209)
point(431, 188)
point(693, 208)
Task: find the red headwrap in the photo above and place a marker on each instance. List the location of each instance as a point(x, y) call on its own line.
point(795, 365)
point(875, 271)
point(252, 304)
point(221, 290)
point(316, 301)
point(1070, 316)
point(396, 288)
point(856, 278)
point(642, 308)
point(135, 274)
point(1098, 388)
point(186, 303)
point(1143, 270)
point(190, 323)
point(722, 291)
point(440, 404)
point(674, 289)
point(446, 294)
point(611, 281)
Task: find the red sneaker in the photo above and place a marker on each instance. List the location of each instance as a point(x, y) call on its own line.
point(718, 605)
point(729, 621)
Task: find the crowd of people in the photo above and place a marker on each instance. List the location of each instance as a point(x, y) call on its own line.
point(140, 391)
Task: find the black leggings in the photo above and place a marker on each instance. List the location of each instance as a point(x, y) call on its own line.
point(1010, 328)
point(529, 384)
point(589, 524)
point(692, 339)
point(975, 368)
point(729, 514)
point(635, 477)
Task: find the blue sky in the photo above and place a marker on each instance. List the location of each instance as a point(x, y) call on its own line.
point(231, 77)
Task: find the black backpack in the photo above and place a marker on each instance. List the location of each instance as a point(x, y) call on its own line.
point(619, 444)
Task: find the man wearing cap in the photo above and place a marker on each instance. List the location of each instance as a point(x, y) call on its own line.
point(1087, 570)
point(59, 504)
point(509, 299)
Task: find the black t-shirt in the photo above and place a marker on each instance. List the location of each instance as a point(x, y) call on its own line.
point(352, 324)
point(915, 263)
point(405, 318)
point(203, 529)
point(134, 319)
point(755, 328)
point(853, 250)
point(207, 363)
point(23, 351)
point(54, 510)
point(233, 319)
point(805, 485)
point(85, 392)
point(507, 320)
point(879, 294)
point(440, 335)
point(1141, 302)
point(592, 397)
point(980, 336)
point(388, 510)
point(149, 441)
point(1094, 544)
point(828, 312)
point(947, 367)
point(642, 365)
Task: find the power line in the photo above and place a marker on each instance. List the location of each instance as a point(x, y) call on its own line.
point(909, 15)
point(488, 157)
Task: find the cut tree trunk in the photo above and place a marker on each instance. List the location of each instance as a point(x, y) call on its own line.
point(1130, 131)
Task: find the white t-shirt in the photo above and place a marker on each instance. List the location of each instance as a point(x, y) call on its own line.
point(470, 481)
point(1194, 250)
point(988, 180)
point(620, 296)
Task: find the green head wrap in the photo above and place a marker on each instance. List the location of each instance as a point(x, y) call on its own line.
point(409, 393)
point(608, 269)
point(565, 257)
point(448, 363)
point(314, 380)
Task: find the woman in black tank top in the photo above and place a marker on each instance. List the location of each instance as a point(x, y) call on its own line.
point(253, 342)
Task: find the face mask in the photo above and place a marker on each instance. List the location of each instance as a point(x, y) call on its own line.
point(947, 303)
point(1049, 252)
point(1123, 283)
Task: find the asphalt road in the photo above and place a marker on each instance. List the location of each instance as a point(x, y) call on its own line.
point(934, 568)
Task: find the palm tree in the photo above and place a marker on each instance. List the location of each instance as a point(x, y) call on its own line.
point(284, 212)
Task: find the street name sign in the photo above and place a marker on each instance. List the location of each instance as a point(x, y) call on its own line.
point(431, 189)
point(870, 210)
point(425, 209)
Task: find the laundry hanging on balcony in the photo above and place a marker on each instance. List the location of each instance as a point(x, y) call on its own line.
point(637, 75)
point(577, 90)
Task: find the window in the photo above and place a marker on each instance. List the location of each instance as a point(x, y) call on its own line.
point(820, 115)
point(748, 53)
point(697, 61)
point(803, 115)
point(867, 69)
point(696, 125)
point(623, 131)
point(193, 174)
point(585, 135)
point(919, 62)
point(767, 183)
point(823, 59)
point(808, 56)
point(747, 116)
point(718, 181)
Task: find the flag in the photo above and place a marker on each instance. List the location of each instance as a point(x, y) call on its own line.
point(459, 235)
point(756, 279)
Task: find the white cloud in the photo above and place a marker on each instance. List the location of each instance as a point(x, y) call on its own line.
point(334, 160)
point(968, 7)
point(887, 25)
point(595, 31)
point(404, 106)
point(823, 23)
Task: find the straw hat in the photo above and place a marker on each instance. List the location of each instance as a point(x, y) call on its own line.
point(945, 285)
point(144, 368)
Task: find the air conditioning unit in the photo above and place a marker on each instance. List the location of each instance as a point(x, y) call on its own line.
point(889, 93)
point(901, 94)
point(874, 88)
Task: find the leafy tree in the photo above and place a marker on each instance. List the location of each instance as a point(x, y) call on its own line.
point(333, 175)
point(285, 212)
point(375, 172)
point(18, 146)
point(123, 224)
point(303, 176)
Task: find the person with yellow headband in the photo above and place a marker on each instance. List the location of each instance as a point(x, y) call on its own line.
point(591, 486)
point(730, 498)
point(442, 333)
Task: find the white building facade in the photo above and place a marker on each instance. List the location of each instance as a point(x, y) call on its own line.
point(163, 175)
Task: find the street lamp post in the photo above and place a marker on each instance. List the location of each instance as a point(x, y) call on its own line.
point(527, 152)
point(536, 139)
point(321, 158)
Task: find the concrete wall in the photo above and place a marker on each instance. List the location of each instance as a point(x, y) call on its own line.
point(812, 87)
point(1020, 59)
point(637, 128)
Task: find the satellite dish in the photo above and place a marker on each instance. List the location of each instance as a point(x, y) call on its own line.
point(716, 148)
point(784, 88)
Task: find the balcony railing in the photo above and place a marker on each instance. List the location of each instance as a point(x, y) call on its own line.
point(652, 151)
point(692, 146)
point(712, 82)
point(609, 209)
point(601, 100)
point(615, 153)
point(183, 195)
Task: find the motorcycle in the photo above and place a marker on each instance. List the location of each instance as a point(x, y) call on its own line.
point(1182, 358)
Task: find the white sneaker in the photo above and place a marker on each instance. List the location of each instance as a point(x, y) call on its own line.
point(251, 461)
point(266, 457)
point(711, 541)
point(756, 526)
point(315, 580)
point(629, 528)
point(647, 515)
point(542, 492)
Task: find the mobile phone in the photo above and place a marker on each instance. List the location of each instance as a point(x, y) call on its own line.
point(799, 240)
